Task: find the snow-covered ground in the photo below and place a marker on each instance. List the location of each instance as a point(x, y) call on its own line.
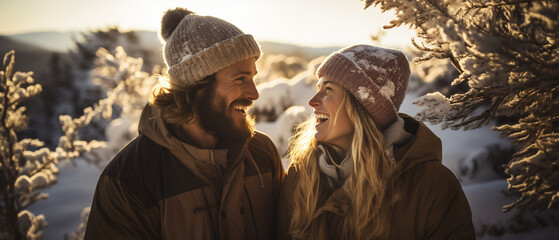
point(67, 198)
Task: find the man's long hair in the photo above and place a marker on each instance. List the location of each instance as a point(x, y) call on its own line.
point(370, 186)
point(178, 104)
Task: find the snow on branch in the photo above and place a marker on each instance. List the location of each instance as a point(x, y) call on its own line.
point(26, 166)
point(129, 90)
point(507, 51)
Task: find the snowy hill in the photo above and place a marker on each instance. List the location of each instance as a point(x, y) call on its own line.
point(307, 53)
point(53, 41)
point(28, 56)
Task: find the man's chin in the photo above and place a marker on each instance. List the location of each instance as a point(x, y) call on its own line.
point(243, 123)
point(238, 132)
point(244, 129)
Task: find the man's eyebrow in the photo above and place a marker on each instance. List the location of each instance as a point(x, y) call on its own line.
point(243, 73)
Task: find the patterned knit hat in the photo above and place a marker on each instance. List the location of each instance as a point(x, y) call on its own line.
point(376, 77)
point(195, 46)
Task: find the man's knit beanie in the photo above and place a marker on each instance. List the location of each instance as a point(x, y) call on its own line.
point(376, 77)
point(195, 46)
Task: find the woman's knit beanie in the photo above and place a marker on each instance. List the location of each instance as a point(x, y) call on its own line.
point(376, 77)
point(195, 46)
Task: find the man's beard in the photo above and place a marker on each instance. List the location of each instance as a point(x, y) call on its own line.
point(215, 118)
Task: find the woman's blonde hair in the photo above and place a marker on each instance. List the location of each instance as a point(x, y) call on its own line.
point(370, 187)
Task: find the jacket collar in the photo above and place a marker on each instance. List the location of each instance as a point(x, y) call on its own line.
point(421, 146)
point(201, 162)
point(424, 145)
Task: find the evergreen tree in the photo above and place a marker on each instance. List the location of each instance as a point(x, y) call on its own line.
point(90, 89)
point(507, 52)
point(26, 167)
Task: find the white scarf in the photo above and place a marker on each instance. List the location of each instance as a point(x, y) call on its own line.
point(336, 174)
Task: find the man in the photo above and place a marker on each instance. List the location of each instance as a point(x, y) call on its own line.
point(198, 169)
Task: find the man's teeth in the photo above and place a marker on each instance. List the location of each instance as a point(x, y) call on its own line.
point(241, 108)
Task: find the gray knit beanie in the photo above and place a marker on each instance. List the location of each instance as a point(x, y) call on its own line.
point(376, 77)
point(195, 46)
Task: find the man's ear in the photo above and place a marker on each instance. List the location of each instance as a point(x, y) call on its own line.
point(204, 87)
point(201, 91)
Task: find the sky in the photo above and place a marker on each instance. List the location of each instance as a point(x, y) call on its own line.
point(314, 23)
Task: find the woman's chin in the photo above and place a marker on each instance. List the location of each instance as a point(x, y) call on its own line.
point(319, 137)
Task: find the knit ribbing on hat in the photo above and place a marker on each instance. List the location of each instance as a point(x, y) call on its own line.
point(203, 45)
point(376, 77)
point(210, 60)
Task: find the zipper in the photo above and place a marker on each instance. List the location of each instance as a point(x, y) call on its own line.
point(251, 211)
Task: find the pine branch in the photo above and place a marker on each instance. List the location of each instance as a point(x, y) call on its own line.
point(508, 54)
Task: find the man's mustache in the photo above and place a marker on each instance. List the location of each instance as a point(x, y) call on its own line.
point(245, 102)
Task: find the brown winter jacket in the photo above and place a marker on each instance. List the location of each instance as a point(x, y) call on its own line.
point(433, 205)
point(159, 187)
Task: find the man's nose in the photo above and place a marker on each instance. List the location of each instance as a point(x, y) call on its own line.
point(250, 90)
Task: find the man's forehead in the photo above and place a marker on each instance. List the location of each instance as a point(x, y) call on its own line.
point(247, 65)
point(243, 69)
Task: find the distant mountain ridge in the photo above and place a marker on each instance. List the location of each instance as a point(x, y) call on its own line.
point(53, 41)
point(7, 44)
point(28, 56)
point(64, 41)
point(296, 50)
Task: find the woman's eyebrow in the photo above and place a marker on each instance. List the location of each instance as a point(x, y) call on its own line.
point(323, 83)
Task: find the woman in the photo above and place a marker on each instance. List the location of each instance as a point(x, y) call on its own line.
point(360, 170)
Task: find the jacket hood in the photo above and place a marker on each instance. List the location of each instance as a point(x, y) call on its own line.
point(202, 162)
point(423, 147)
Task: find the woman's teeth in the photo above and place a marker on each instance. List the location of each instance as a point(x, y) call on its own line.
point(320, 118)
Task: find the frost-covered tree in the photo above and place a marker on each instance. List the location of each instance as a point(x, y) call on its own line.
point(507, 52)
point(85, 53)
point(89, 89)
point(276, 66)
point(283, 104)
point(435, 75)
point(26, 167)
point(130, 94)
point(79, 234)
point(278, 94)
point(131, 91)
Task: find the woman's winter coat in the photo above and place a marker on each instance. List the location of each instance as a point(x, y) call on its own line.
point(433, 205)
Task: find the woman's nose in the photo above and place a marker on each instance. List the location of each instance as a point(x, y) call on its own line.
point(315, 100)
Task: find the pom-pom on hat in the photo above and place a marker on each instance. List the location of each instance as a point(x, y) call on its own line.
point(195, 46)
point(376, 77)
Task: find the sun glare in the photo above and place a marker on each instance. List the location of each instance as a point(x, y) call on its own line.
point(313, 23)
